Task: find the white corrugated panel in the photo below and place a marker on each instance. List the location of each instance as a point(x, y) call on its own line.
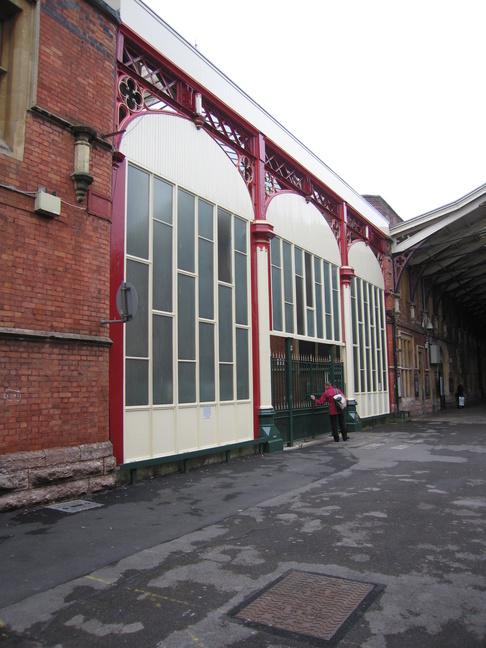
point(172, 147)
point(365, 264)
point(301, 223)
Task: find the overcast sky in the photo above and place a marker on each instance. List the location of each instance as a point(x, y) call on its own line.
point(391, 95)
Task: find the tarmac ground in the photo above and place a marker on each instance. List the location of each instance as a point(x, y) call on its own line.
point(377, 542)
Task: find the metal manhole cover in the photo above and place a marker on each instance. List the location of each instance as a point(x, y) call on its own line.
point(321, 608)
point(74, 506)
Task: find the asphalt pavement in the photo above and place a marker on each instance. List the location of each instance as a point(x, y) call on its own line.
point(377, 542)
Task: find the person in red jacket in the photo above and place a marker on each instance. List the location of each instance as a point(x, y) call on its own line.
point(334, 413)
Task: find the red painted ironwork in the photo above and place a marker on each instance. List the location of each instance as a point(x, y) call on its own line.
point(117, 275)
point(149, 82)
point(399, 263)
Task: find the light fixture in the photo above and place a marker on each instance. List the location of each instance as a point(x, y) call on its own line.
point(81, 177)
point(198, 110)
point(426, 322)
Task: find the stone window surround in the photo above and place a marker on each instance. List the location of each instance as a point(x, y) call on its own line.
point(19, 25)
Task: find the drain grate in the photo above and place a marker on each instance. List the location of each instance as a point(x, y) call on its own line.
point(75, 506)
point(302, 604)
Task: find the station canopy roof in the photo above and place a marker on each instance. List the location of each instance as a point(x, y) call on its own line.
point(447, 248)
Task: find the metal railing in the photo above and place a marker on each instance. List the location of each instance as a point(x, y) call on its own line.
point(294, 379)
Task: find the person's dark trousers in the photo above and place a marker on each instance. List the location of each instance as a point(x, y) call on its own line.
point(342, 426)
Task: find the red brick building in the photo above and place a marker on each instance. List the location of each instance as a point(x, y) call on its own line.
point(436, 306)
point(55, 211)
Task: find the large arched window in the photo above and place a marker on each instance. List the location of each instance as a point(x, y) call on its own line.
point(188, 376)
point(305, 293)
point(305, 263)
point(369, 322)
point(190, 336)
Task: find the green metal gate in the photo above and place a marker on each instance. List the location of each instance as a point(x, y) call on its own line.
point(293, 381)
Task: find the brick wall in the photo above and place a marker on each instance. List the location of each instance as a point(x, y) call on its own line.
point(55, 271)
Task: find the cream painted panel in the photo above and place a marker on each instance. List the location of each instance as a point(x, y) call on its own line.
point(363, 405)
point(208, 426)
point(172, 147)
point(227, 423)
point(137, 436)
point(365, 264)
point(369, 405)
point(187, 436)
point(301, 223)
point(163, 434)
point(244, 422)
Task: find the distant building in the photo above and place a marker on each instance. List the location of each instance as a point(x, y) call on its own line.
point(436, 304)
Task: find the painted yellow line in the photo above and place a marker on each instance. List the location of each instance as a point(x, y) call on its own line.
point(152, 595)
point(162, 597)
point(100, 580)
point(195, 639)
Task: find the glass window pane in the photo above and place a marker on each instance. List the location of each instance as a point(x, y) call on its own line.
point(185, 232)
point(225, 325)
point(276, 300)
point(206, 279)
point(287, 265)
point(319, 312)
point(354, 310)
point(289, 318)
point(359, 298)
point(186, 318)
point(275, 251)
point(224, 246)
point(327, 300)
point(136, 382)
point(319, 302)
point(226, 382)
point(299, 265)
point(162, 358)
point(309, 283)
point(205, 220)
point(138, 213)
point(137, 329)
point(187, 382)
point(310, 322)
point(206, 362)
point(240, 235)
point(242, 365)
point(162, 209)
point(241, 289)
point(335, 304)
point(162, 267)
point(356, 369)
point(299, 293)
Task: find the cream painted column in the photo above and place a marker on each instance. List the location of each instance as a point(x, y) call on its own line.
point(263, 254)
point(347, 273)
point(262, 232)
point(353, 421)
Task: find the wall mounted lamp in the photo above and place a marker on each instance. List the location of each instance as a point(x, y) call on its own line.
point(81, 177)
point(427, 324)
